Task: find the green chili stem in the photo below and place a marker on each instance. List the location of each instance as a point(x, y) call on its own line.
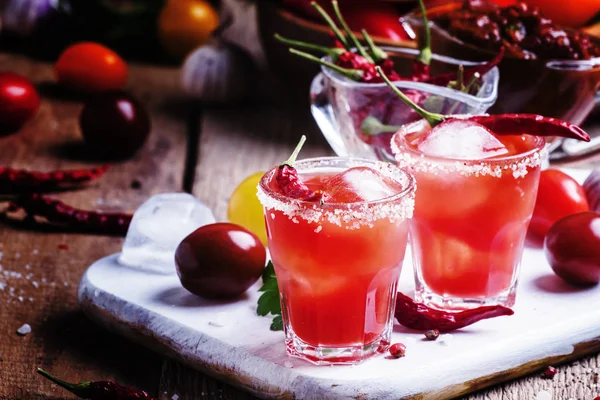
point(353, 74)
point(466, 90)
point(349, 32)
point(79, 390)
point(377, 53)
point(292, 160)
point(372, 126)
point(433, 118)
point(332, 52)
point(425, 53)
point(331, 24)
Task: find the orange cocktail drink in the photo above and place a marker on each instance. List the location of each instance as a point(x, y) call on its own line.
point(338, 260)
point(476, 196)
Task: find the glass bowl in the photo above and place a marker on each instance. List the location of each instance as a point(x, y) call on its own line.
point(563, 89)
point(340, 106)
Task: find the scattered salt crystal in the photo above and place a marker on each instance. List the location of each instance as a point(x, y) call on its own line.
point(35, 251)
point(175, 397)
point(318, 229)
point(53, 284)
point(217, 321)
point(21, 299)
point(44, 280)
point(24, 330)
point(543, 395)
point(31, 299)
point(28, 266)
point(288, 364)
point(1, 254)
point(17, 255)
point(96, 293)
point(2, 285)
point(35, 284)
point(66, 283)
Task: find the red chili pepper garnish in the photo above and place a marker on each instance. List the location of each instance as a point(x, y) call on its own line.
point(19, 179)
point(100, 390)
point(469, 73)
point(289, 182)
point(421, 317)
point(537, 125)
point(57, 212)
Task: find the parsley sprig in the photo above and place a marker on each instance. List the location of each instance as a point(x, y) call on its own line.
point(268, 302)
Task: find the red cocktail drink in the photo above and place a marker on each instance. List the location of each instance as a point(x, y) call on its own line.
point(338, 260)
point(476, 195)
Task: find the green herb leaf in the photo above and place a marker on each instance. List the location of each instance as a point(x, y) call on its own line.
point(277, 324)
point(268, 302)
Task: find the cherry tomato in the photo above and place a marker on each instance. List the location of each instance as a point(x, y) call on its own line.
point(91, 67)
point(244, 208)
point(220, 261)
point(572, 248)
point(184, 25)
point(558, 195)
point(19, 101)
point(114, 125)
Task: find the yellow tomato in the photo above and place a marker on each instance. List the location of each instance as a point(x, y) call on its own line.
point(184, 25)
point(244, 208)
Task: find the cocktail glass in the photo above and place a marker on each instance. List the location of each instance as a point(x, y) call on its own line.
point(338, 263)
point(471, 218)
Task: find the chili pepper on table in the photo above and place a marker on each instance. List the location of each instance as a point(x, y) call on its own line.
point(421, 317)
point(99, 390)
point(504, 124)
point(11, 179)
point(57, 212)
point(289, 182)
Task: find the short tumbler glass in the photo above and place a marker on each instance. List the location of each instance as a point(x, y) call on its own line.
point(337, 264)
point(470, 221)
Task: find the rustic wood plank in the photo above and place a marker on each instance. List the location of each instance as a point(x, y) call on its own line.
point(63, 340)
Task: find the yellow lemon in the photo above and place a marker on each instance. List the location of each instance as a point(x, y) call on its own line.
point(244, 208)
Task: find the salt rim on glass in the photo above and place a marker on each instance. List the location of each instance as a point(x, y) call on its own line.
point(417, 161)
point(396, 208)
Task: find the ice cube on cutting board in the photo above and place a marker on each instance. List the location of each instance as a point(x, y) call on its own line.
point(360, 184)
point(463, 140)
point(157, 228)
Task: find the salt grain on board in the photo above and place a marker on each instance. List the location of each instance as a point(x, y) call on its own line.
point(24, 330)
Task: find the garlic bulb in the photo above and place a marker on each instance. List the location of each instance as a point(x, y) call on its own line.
point(23, 16)
point(219, 72)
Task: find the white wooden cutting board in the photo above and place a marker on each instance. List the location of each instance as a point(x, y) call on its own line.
point(553, 322)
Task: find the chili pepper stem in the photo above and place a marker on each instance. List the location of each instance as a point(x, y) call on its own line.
point(433, 118)
point(332, 25)
point(332, 52)
point(351, 35)
point(292, 160)
point(353, 74)
point(372, 126)
point(377, 53)
point(466, 90)
point(78, 390)
point(425, 53)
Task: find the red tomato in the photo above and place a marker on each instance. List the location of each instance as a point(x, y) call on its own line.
point(558, 196)
point(568, 13)
point(378, 18)
point(91, 67)
point(19, 101)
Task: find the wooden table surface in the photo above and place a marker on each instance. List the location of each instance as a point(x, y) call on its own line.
point(203, 150)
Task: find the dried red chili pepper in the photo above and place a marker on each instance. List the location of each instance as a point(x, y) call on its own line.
point(516, 124)
point(549, 372)
point(421, 70)
point(469, 73)
point(289, 182)
point(397, 350)
point(57, 212)
point(421, 317)
point(99, 390)
point(503, 124)
point(19, 179)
